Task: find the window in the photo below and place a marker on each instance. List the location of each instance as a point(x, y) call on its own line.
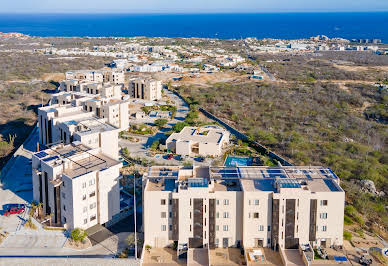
point(170, 227)
point(217, 242)
point(85, 221)
point(93, 205)
point(256, 202)
point(226, 228)
point(269, 241)
point(84, 197)
point(63, 195)
point(226, 202)
point(163, 202)
point(323, 215)
point(164, 227)
point(269, 228)
point(217, 227)
point(324, 228)
point(63, 183)
point(256, 215)
point(92, 182)
point(226, 214)
point(261, 227)
point(170, 201)
point(93, 217)
point(217, 202)
point(163, 214)
point(218, 215)
point(64, 207)
point(64, 219)
point(85, 209)
point(92, 194)
point(323, 202)
point(170, 214)
point(84, 185)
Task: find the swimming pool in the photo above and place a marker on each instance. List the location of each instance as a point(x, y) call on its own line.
point(238, 161)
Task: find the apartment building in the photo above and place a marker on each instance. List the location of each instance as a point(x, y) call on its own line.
point(92, 89)
point(145, 89)
point(77, 184)
point(68, 123)
point(193, 141)
point(97, 76)
point(209, 207)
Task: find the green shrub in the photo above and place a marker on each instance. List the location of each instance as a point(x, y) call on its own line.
point(78, 235)
point(160, 122)
point(348, 235)
point(348, 220)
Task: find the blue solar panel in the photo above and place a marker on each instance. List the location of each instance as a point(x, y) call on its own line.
point(50, 158)
point(198, 182)
point(41, 154)
point(331, 185)
point(287, 183)
point(169, 184)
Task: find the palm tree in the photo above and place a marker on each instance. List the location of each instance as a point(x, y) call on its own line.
point(39, 207)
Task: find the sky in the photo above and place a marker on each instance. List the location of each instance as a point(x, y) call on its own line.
point(189, 6)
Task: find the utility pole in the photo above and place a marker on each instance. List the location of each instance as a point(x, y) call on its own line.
point(134, 211)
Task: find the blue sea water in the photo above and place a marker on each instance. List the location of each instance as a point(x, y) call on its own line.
point(260, 25)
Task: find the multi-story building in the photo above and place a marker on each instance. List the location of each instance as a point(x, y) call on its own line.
point(150, 90)
point(97, 76)
point(92, 89)
point(78, 185)
point(192, 141)
point(67, 123)
point(209, 207)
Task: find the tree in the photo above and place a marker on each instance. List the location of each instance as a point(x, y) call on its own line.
point(78, 235)
point(179, 126)
point(160, 122)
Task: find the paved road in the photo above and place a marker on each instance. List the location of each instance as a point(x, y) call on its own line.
point(139, 149)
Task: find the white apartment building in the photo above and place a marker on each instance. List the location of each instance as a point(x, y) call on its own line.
point(106, 90)
point(254, 206)
point(97, 76)
point(78, 185)
point(67, 123)
point(150, 90)
point(192, 141)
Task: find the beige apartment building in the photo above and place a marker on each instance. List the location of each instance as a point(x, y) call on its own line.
point(91, 89)
point(66, 124)
point(255, 206)
point(193, 141)
point(97, 76)
point(78, 185)
point(145, 89)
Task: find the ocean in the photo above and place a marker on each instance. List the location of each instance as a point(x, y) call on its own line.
point(260, 25)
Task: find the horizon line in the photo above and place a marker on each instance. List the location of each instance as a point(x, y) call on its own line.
point(189, 13)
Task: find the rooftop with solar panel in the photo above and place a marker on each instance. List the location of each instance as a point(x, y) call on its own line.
point(75, 159)
point(247, 178)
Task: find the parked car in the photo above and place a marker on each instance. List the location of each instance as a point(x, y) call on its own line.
point(169, 156)
point(14, 210)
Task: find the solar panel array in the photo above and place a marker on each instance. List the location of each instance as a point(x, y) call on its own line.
point(288, 183)
point(198, 182)
point(41, 154)
point(50, 158)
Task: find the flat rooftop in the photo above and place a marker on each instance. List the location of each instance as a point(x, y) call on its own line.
point(90, 125)
point(207, 134)
point(82, 159)
point(247, 178)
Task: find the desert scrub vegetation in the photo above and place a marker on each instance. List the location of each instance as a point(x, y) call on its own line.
point(311, 124)
point(27, 66)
